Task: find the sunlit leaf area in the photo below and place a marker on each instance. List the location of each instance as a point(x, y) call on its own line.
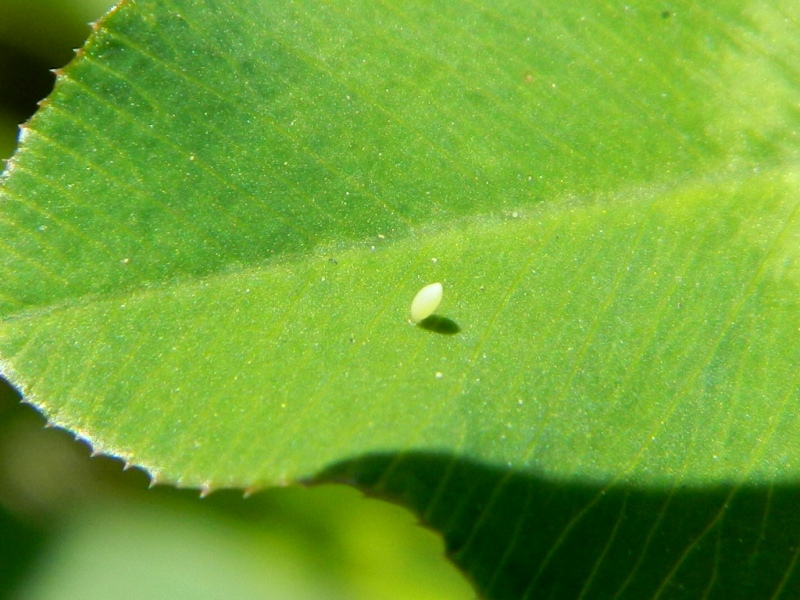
point(421, 299)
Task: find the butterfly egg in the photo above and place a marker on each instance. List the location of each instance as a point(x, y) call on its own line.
point(426, 301)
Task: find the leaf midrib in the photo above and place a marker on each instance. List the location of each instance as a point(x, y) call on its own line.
point(323, 251)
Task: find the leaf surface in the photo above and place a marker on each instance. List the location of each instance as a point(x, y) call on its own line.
point(214, 229)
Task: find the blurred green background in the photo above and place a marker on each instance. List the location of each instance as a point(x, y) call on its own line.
point(73, 526)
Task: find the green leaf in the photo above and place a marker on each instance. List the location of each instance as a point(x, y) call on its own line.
point(215, 227)
point(134, 546)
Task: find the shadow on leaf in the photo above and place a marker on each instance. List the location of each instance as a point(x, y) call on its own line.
point(518, 535)
point(438, 324)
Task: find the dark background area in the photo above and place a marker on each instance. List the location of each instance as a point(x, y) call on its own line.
point(35, 37)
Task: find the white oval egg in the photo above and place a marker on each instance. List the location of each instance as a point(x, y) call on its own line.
point(426, 301)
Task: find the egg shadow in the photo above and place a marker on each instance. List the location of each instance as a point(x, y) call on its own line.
point(438, 324)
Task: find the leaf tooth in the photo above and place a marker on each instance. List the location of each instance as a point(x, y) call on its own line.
point(83, 438)
point(250, 490)
point(181, 484)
